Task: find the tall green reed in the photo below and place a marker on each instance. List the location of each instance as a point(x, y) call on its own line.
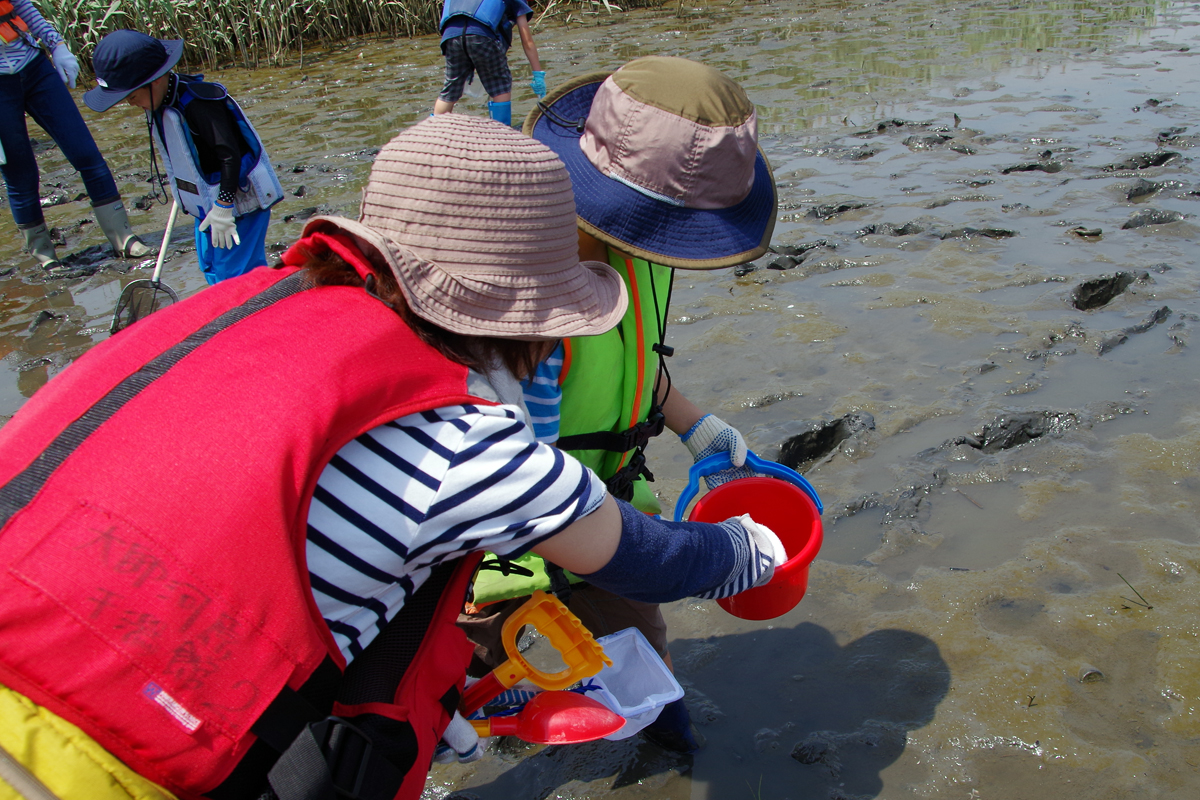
point(251, 33)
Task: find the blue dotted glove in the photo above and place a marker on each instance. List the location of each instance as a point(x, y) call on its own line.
point(711, 435)
point(538, 84)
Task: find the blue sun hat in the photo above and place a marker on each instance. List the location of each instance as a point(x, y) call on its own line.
point(664, 158)
point(125, 61)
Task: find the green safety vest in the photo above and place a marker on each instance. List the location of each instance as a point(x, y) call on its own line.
point(607, 385)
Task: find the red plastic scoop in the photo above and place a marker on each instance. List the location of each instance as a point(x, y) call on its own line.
point(554, 718)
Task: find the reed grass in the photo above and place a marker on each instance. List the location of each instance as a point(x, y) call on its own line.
point(252, 33)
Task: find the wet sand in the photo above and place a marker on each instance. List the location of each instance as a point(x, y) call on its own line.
point(1005, 606)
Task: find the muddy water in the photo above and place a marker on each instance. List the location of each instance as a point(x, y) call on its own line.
point(1005, 606)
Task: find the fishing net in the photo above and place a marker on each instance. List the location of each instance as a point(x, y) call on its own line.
point(141, 298)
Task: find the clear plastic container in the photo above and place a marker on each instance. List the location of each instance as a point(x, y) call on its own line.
point(637, 685)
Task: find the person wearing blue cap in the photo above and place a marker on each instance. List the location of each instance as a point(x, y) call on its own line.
point(217, 166)
point(667, 173)
point(31, 83)
point(476, 35)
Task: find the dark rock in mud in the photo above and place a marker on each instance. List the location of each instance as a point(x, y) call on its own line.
point(987, 233)
point(86, 262)
point(1157, 316)
point(1013, 430)
point(42, 316)
point(1117, 338)
point(883, 125)
point(1179, 333)
point(770, 399)
point(1087, 233)
point(1111, 341)
point(962, 147)
point(929, 141)
point(300, 191)
point(802, 248)
point(823, 438)
point(1034, 166)
point(306, 213)
point(958, 198)
point(832, 210)
point(837, 151)
point(1100, 291)
point(57, 197)
point(1151, 216)
point(782, 257)
point(1141, 188)
point(889, 229)
point(975, 183)
point(1142, 161)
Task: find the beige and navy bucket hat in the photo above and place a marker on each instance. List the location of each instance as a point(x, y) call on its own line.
point(664, 157)
point(477, 222)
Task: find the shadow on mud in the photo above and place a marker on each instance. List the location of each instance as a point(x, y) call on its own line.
point(786, 713)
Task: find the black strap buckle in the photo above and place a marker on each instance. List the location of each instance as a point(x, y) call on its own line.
point(620, 485)
point(334, 736)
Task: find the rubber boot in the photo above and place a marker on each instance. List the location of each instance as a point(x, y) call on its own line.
point(673, 730)
point(501, 112)
point(39, 243)
point(115, 224)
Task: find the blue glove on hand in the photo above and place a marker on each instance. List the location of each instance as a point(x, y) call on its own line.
point(538, 84)
point(65, 63)
point(711, 435)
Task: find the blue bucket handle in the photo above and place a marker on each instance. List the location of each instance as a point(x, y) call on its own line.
point(722, 461)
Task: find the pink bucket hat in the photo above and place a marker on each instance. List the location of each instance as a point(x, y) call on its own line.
point(477, 223)
point(664, 157)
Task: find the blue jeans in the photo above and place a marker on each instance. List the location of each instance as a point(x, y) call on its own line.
point(37, 89)
point(219, 263)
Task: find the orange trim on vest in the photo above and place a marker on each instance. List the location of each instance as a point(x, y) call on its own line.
point(567, 357)
point(11, 24)
point(635, 297)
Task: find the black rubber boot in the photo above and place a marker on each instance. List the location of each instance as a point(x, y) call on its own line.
point(673, 730)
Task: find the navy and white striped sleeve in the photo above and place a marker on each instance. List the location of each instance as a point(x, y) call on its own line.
point(424, 488)
point(38, 25)
point(543, 396)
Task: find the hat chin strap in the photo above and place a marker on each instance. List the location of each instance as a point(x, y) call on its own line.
point(577, 124)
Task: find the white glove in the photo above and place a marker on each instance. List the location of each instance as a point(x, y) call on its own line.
point(710, 435)
point(224, 229)
point(763, 554)
point(459, 743)
point(65, 64)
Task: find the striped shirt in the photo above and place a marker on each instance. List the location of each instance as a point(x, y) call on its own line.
point(543, 396)
point(425, 488)
point(14, 56)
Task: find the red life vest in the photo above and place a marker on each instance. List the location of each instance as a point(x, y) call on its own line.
point(153, 504)
point(11, 24)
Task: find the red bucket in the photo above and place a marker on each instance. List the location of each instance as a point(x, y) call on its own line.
point(788, 511)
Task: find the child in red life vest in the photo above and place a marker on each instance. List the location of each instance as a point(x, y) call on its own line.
point(259, 594)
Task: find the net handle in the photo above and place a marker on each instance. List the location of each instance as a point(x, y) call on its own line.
point(162, 249)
